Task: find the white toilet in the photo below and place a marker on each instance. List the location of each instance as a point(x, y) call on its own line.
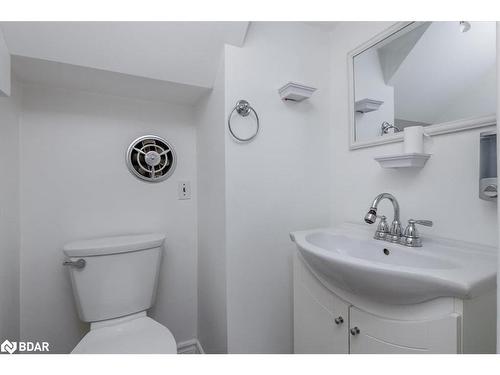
point(114, 282)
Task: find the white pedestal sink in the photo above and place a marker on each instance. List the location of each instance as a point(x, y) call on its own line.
point(391, 273)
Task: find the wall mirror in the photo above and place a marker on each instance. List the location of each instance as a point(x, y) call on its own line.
point(441, 75)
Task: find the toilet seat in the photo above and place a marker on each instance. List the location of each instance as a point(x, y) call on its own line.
point(140, 335)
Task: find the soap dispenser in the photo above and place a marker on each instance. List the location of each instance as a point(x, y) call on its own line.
point(488, 166)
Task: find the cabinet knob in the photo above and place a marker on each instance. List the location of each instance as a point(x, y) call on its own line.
point(355, 331)
point(339, 320)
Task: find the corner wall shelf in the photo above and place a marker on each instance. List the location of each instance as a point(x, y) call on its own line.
point(296, 92)
point(413, 160)
point(367, 105)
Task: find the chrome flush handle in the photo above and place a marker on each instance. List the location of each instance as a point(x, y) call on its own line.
point(80, 263)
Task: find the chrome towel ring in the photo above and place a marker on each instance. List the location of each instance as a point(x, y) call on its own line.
point(243, 108)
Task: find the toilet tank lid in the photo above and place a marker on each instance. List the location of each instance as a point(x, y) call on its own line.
point(113, 245)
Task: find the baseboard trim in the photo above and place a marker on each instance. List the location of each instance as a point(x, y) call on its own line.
point(192, 346)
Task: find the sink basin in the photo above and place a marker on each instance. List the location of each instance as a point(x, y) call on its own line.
point(391, 273)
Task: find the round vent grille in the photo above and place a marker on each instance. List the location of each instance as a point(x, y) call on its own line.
point(151, 158)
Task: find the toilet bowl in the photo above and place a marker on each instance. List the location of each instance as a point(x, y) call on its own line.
point(138, 335)
point(114, 282)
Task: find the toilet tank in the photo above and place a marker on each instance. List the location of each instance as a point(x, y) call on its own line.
point(119, 276)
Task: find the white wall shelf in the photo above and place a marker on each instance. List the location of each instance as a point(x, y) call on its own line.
point(367, 105)
point(296, 92)
point(413, 160)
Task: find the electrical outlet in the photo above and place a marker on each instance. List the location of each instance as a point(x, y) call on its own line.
point(184, 190)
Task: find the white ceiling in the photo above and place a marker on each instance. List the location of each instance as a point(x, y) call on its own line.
point(73, 77)
point(326, 26)
point(180, 52)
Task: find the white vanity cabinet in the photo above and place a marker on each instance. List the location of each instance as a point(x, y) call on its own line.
point(377, 335)
point(444, 325)
point(321, 321)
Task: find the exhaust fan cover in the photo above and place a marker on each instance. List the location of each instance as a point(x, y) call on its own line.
point(151, 158)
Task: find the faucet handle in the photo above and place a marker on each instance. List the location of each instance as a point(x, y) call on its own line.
point(411, 237)
point(427, 223)
point(382, 228)
point(411, 229)
point(382, 225)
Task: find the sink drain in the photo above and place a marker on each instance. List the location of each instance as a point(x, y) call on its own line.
point(386, 252)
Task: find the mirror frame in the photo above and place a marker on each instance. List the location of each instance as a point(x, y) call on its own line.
point(435, 129)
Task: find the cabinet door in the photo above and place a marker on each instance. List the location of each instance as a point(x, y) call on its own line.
point(315, 330)
point(315, 311)
point(373, 334)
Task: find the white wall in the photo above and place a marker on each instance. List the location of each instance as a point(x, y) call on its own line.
point(212, 318)
point(498, 169)
point(446, 190)
point(9, 215)
point(278, 182)
point(4, 67)
point(479, 99)
point(75, 185)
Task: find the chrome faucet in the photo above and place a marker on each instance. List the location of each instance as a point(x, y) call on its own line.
point(394, 234)
point(385, 126)
point(410, 237)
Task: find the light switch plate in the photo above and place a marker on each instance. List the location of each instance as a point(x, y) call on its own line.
point(184, 190)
